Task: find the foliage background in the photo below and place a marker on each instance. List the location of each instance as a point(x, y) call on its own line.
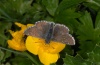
point(81, 16)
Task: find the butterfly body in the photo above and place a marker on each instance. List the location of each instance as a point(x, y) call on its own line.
point(51, 32)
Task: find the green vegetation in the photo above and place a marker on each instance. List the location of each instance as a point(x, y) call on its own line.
point(81, 16)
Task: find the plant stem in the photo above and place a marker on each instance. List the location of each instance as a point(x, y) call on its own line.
point(23, 53)
point(11, 51)
point(91, 1)
point(31, 58)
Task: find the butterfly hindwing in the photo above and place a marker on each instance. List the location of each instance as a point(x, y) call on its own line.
point(61, 34)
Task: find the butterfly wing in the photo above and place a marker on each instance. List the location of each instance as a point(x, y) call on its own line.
point(61, 34)
point(38, 30)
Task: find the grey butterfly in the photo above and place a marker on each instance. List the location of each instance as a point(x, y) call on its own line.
point(50, 32)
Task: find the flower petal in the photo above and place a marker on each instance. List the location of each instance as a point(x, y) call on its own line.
point(16, 45)
point(20, 25)
point(28, 25)
point(32, 44)
point(47, 58)
point(53, 47)
point(56, 47)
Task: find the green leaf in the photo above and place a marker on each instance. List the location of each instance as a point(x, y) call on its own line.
point(24, 6)
point(51, 6)
point(67, 17)
point(78, 60)
point(21, 61)
point(37, 6)
point(96, 2)
point(85, 30)
point(92, 6)
point(97, 22)
point(53, 64)
point(68, 14)
point(94, 56)
point(88, 35)
point(5, 14)
point(4, 27)
point(97, 27)
point(1, 55)
point(7, 55)
point(7, 63)
point(13, 10)
point(33, 59)
point(65, 4)
point(19, 6)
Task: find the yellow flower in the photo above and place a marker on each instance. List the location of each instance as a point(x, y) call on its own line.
point(17, 43)
point(47, 53)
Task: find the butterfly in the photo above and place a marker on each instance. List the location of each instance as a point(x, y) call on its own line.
point(49, 31)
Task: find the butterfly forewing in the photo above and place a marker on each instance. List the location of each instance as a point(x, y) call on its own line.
point(61, 34)
point(38, 30)
point(32, 31)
